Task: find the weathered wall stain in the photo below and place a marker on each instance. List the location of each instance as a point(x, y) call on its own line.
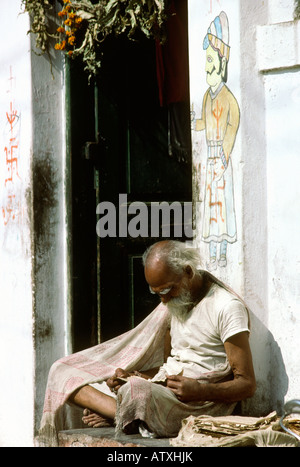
point(44, 185)
point(44, 202)
point(43, 330)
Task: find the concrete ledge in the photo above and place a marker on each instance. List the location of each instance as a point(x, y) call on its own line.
point(278, 46)
point(105, 437)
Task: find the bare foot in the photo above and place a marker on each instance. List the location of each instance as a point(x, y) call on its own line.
point(94, 420)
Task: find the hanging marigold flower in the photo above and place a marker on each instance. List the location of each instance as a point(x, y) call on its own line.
point(78, 20)
point(57, 46)
point(72, 15)
point(70, 53)
point(61, 29)
point(71, 40)
point(68, 22)
point(62, 13)
point(63, 45)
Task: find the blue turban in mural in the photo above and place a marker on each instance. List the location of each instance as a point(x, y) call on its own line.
point(218, 35)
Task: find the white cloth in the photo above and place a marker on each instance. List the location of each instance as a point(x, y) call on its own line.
point(140, 348)
point(198, 342)
point(158, 407)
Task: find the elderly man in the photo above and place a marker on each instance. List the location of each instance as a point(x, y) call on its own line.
point(208, 363)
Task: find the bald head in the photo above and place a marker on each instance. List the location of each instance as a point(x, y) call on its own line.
point(157, 252)
point(173, 254)
point(157, 268)
point(171, 272)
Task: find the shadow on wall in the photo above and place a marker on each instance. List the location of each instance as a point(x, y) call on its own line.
point(271, 377)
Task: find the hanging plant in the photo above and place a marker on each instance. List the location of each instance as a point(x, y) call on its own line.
point(38, 10)
point(84, 25)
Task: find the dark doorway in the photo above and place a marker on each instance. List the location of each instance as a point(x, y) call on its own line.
point(120, 145)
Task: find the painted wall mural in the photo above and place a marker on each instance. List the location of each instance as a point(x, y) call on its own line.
point(215, 124)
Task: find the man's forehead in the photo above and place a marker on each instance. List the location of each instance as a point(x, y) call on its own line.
point(158, 273)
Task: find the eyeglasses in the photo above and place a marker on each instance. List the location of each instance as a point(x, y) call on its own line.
point(161, 292)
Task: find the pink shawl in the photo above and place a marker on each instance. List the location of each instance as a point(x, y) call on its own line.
point(141, 347)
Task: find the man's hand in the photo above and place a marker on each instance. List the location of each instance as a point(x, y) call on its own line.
point(114, 383)
point(186, 389)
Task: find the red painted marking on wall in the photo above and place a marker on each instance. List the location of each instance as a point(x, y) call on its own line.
point(8, 212)
point(216, 204)
point(11, 161)
point(11, 209)
point(217, 112)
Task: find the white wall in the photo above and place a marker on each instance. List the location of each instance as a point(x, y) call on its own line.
point(16, 353)
point(283, 143)
point(33, 216)
point(278, 52)
point(255, 202)
point(264, 263)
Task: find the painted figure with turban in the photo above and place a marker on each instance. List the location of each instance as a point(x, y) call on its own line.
point(220, 120)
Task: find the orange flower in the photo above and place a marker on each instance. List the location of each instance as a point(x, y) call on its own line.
point(68, 22)
point(71, 40)
point(70, 53)
point(62, 13)
point(63, 45)
point(57, 46)
point(78, 20)
point(61, 29)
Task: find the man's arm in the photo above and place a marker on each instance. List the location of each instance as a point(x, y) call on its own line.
point(242, 385)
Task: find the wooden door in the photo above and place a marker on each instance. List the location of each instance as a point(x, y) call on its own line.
point(120, 146)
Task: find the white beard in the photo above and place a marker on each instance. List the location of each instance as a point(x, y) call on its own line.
point(179, 307)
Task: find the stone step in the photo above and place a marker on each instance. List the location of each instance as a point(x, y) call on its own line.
point(106, 437)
